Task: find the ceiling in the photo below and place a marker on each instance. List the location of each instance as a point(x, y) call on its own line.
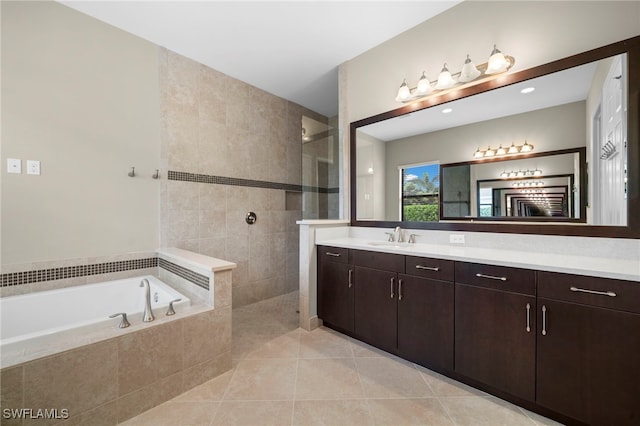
point(291, 49)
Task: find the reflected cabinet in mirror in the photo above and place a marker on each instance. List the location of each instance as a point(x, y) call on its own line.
point(550, 150)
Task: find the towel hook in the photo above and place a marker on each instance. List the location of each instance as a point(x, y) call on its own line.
point(132, 173)
point(156, 175)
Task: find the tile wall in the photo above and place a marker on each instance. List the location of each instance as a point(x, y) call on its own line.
point(231, 148)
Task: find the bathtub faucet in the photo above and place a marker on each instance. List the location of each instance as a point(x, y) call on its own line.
point(147, 316)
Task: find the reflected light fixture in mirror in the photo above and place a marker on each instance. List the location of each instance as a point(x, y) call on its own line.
point(497, 64)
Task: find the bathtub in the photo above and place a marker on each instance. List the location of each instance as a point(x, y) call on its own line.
point(33, 322)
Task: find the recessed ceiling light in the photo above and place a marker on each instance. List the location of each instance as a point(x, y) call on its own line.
point(527, 90)
point(447, 110)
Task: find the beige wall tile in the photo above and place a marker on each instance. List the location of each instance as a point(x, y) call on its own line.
point(222, 289)
point(60, 381)
point(206, 335)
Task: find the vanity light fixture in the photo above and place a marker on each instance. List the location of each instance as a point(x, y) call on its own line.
point(469, 71)
point(501, 151)
point(497, 63)
point(424, 86)
point(445, 80)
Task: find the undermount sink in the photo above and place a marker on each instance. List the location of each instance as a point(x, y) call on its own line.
point(388, 244)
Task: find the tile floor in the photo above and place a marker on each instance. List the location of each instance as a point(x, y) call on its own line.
point(284, 375)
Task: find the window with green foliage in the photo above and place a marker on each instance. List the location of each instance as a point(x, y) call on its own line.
point(420, 192)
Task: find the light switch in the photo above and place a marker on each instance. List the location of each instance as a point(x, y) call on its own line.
point(14, 165)
point(33, 167)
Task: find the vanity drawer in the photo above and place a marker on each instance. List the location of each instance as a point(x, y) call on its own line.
point(504, 278)
point(437, 269)
point(377, 260)
point(333, 254)
point(602, 292)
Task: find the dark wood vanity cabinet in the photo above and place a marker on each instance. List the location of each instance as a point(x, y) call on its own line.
point(566, 345)
point(495, 327)
point(425, 312)
point(376, 297)
point(588, 348)
point(335, 288)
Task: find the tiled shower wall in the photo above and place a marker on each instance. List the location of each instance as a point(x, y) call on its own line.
point(231, 148)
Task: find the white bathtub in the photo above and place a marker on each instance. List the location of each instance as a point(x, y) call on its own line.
point(34, 321)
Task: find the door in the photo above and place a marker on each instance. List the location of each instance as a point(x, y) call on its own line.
point(376, 308)
point(335, 294)
point(495, 338)
point(425, 321)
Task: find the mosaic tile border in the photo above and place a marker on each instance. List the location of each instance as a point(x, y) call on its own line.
point(189, 275)
point(40, 275)
point(223, 180)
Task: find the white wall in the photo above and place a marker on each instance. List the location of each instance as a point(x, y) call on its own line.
point(82, 98)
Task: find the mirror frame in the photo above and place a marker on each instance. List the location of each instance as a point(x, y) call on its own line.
point(582, 188)
point(632, 48)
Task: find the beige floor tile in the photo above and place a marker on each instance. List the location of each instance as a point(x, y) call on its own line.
point(538, 419)
point(481, 411)
point(391, 378)
point(263, 379)
point(252, 413)
point(324, 343)
point(179, 413)
point(444, 386)
point(348, 412)
point(361, 349)
point(333, 378)
point(285, 346)
point(213, 390)
point(423, 412)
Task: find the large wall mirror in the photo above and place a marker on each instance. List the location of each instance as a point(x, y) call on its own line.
point(549, 150)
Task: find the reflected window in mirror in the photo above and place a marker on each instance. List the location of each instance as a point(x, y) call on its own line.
point(420, 192)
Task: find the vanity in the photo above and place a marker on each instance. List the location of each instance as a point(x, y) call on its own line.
point(563, 344)
point(551, 328)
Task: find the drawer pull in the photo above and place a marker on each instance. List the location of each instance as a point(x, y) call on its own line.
point(400, 289)
point(528, 318)
point(544, 320)
point(350, 278)
point(491, 277)
point(332, 254)
point(601, 293)
point(428, 268)
point(392, 282)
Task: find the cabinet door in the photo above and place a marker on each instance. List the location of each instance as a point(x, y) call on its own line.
point(495, 338)
point(376, 307)
point(335, 294)
point(588, 365)
point(425, 321)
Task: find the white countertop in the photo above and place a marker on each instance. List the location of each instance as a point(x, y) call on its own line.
point(625, 269)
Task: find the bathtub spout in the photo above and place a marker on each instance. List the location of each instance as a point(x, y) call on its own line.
point(147, 316)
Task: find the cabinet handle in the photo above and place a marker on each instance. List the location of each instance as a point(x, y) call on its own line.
point(601, 293)
point(492, 277)
point(528, 318)
point(350, 278)
point(428, 268)
point(544, 320)
point(392, 281)
point(332, 254)
point(400, 289)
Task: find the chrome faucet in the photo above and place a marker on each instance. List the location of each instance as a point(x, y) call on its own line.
point(147, 316)
point(398, 234)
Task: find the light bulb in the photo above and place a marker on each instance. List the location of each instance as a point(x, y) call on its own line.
point(513, 149)
point(497, 62)
point(445, 80)
point(478, 154)
point(489, 152)
point(469, 71)
point(403, 92)
point(501, 150)
point(526, 147)
point(424, 87)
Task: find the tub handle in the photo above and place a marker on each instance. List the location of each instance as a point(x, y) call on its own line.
point(171, 311)
point(124, 323)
